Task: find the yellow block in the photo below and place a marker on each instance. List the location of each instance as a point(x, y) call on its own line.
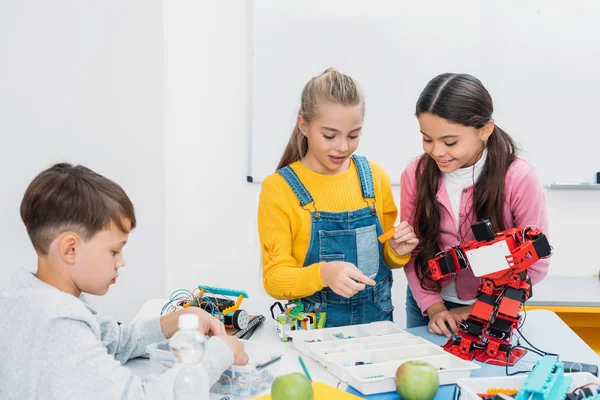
point(323, 392)
point(234, 307)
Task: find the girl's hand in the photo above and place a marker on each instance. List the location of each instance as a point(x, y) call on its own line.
point(344, 278)
point(462, 312)
point(442, 321)
point(404, 240)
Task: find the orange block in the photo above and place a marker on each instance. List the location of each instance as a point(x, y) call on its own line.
point(387, 236)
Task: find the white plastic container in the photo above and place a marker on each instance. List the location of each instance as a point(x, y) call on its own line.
point(368, 355)
point(380, 378)
point(339, 364)
point(306, 341)
point(468, 388)
point(243, 382)
point(161, 357)
point(238, 382)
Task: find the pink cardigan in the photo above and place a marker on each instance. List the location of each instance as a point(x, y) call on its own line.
point(525, 204)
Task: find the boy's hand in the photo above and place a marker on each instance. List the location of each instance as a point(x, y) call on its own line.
point(209, 325)
point(404, 240)
point(239, 354)
point(344, 278)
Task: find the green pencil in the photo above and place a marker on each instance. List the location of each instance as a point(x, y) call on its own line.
point(304, 368)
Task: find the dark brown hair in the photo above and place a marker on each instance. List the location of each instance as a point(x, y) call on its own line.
point(72, 198)
point(461, 99)
point(331, 87)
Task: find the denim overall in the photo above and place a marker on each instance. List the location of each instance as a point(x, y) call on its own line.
point(349, 236)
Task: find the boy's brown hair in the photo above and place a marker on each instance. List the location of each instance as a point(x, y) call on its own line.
point(72, 198)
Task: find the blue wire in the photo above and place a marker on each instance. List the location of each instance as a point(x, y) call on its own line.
point(176, 296)
point(185, 295)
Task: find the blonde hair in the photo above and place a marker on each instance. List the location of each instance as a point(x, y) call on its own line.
point(331, 87)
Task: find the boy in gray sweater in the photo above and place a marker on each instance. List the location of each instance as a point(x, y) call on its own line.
point(53, 345)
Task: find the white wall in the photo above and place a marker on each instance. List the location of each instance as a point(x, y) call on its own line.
point(83, 82)
point(211, 210)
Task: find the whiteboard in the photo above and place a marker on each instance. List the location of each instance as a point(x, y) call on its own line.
point(540, 60)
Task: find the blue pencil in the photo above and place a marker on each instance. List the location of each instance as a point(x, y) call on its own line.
point(304, 368)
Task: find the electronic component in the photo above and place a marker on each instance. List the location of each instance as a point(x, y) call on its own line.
point(294, 317)
point(214, 301)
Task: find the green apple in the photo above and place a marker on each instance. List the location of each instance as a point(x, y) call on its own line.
point(292, 387)
point(417, 380)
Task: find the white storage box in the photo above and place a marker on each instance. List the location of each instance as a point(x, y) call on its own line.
point(469, 388)
point(367, 356)
point(238, 381)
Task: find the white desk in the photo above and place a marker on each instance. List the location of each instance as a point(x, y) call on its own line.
point(544, 329)
point(576, 300)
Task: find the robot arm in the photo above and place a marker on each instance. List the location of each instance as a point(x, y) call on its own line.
point(493, 255)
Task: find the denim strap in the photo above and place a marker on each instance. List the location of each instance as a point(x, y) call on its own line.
point(365, 175)
point(292, 179)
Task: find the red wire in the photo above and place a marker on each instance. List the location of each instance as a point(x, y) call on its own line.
point(582, 386)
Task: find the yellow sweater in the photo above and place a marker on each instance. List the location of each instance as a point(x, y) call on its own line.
point(284, 226)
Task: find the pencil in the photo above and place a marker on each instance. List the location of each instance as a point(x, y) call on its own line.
point(304, 368)
point(267, 363)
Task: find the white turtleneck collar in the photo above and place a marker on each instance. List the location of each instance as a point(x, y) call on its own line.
point(467, 176)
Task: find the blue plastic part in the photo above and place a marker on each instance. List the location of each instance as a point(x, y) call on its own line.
point(547, 381)
point(223, 291)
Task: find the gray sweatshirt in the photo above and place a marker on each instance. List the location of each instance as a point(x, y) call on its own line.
point(55, 346)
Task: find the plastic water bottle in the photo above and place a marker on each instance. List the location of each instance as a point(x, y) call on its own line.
point(188, 346)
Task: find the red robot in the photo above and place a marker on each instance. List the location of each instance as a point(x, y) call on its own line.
point(501, 261)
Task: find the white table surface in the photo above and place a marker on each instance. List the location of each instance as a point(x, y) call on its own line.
point(544, 329)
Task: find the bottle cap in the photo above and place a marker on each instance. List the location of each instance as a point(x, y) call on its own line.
point(188, 321)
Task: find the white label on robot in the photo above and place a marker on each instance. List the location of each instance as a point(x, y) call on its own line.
point(488, 259)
